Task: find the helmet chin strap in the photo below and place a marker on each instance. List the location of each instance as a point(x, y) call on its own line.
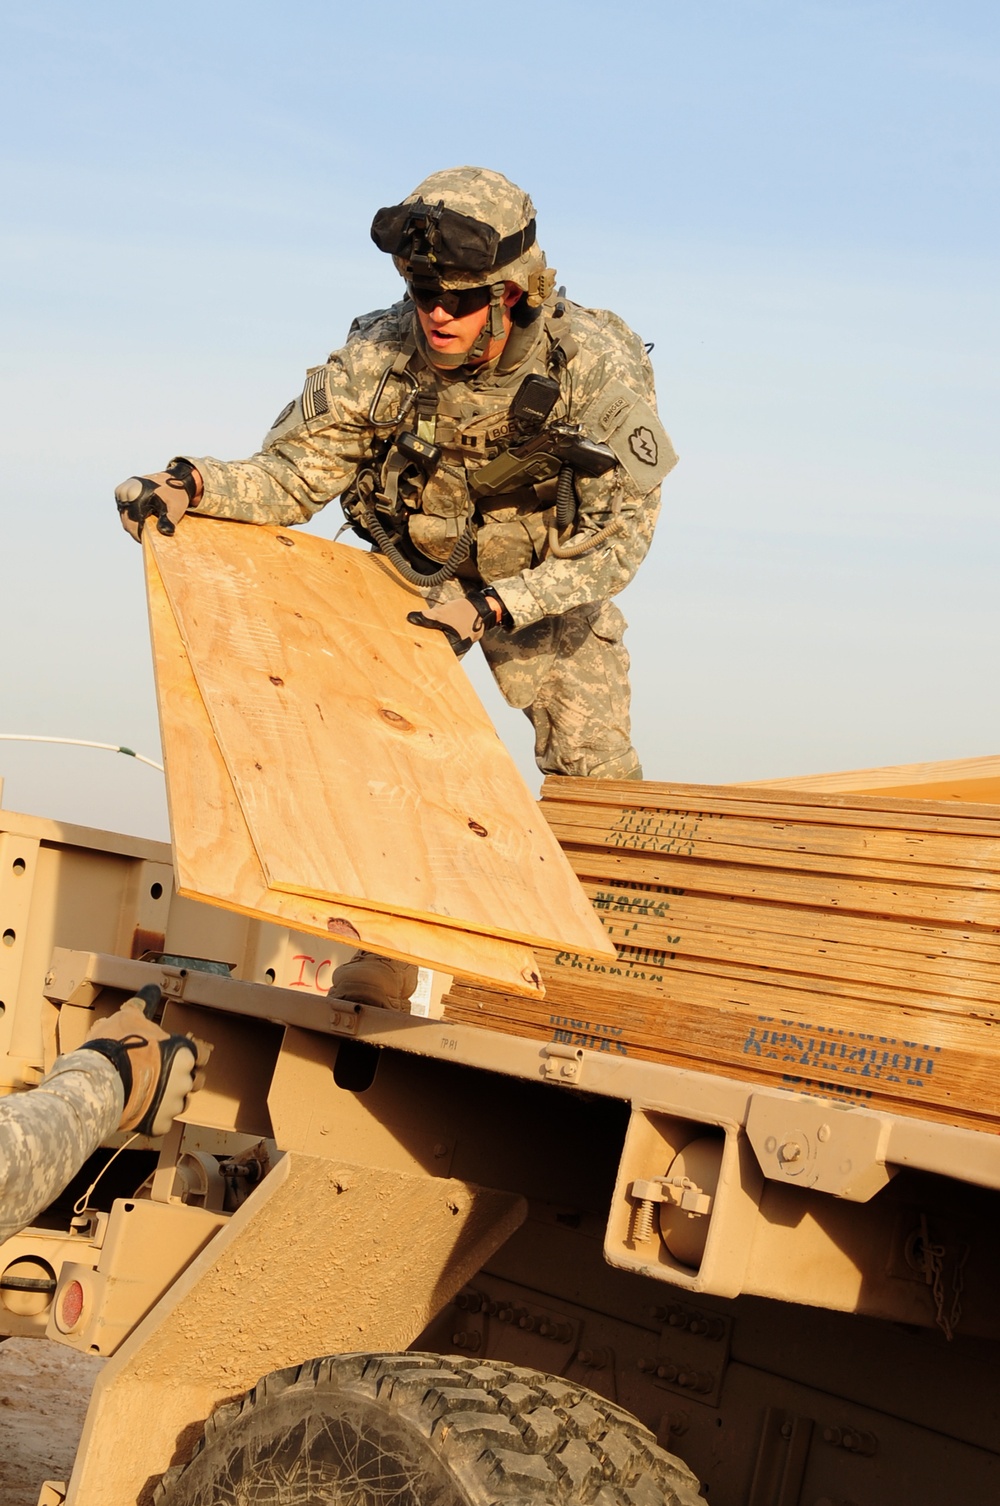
point(493, 329)
point(443, 359)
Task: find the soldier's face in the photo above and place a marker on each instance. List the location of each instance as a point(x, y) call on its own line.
point(457, 334)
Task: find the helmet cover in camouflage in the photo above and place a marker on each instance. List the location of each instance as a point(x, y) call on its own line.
point(492, 199)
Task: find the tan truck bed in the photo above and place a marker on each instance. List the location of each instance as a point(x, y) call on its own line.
point(709, 1232)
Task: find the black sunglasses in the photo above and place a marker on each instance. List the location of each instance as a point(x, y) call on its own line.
point(457, 302)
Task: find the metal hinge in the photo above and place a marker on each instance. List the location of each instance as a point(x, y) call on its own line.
point(172, 981)
point(562, 1063)
point(345, 1021)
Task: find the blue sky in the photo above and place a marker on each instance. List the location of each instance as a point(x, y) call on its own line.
point(796, 202)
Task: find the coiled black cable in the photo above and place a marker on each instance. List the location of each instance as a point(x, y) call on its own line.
point(565, 500)
point(398, 560)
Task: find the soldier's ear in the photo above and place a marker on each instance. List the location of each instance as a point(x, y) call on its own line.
point(511, 293)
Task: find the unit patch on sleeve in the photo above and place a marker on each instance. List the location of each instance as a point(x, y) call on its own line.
point(625, 421)
point(642, 443)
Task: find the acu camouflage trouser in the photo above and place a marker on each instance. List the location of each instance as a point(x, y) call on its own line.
point(569, 675)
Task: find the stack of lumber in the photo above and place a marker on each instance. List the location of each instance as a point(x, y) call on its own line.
point(842, 944)
point(329, 766)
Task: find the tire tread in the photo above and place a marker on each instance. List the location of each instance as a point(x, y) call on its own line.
point(510, 1436)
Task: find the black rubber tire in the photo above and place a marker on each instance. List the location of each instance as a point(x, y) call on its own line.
point(424, 1430)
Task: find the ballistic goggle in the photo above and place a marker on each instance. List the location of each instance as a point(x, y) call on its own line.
point(455, 301)
point(430, 236)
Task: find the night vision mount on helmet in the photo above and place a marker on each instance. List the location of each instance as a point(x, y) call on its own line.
point(461, 228)
point(431, 239)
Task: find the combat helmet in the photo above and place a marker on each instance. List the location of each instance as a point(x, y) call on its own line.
point(467, 227)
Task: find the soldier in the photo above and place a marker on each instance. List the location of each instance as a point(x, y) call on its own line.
point(402, 424)
point(497, 442)
point(128, 1075)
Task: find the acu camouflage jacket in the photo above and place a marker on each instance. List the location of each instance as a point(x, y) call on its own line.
point(333, 433)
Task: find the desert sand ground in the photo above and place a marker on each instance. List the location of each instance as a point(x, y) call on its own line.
point(44, 1390)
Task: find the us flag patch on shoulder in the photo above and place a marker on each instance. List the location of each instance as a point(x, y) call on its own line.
point(314, 399)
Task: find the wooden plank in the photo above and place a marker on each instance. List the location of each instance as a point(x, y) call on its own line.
point(746, 800)
point(788, 988)
point(641, 983)
point(739, 1045)
point(366, 769)
point(966, 779)
point(903, 977)
point(215, 860)
point(913, 939)
point(647, 989)
point(916, 1063)
point(929, 858)
point(963, 907)
point(713, 847)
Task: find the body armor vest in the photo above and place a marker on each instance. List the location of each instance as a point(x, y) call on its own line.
point(469, 427)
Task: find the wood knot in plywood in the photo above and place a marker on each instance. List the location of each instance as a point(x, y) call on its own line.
point(395, 719)
point(338, 926)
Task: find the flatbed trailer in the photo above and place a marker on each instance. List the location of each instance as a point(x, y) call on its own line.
point(793, 1291)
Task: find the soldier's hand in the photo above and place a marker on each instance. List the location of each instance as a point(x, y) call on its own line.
point(464, 620)
point(165, 496)
point(158, 1070)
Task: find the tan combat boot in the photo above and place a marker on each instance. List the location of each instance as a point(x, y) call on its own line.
point(367, 978)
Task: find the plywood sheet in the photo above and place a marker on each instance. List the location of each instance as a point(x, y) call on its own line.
point(215, 860)
point(364, 764)
point(976, 779)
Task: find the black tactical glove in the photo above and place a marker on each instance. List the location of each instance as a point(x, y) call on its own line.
point(464, 620)
point(165, 496)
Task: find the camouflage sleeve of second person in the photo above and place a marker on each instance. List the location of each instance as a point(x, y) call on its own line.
point(613, 398)
point(47, 1134)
